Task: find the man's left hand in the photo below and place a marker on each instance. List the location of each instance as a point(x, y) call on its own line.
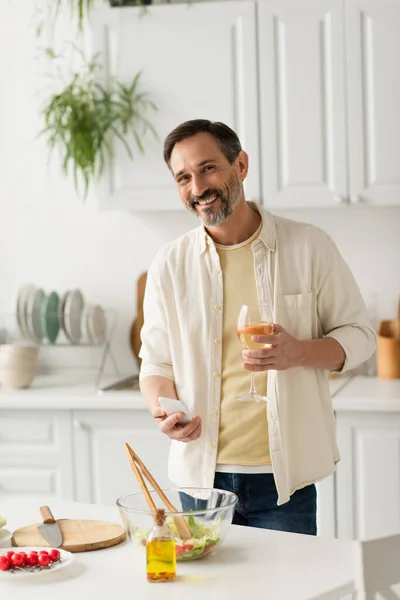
point(282, 352)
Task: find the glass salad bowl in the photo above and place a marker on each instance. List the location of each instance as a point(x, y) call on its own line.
point(207, 512)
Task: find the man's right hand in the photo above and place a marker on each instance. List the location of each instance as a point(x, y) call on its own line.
point(171, 428)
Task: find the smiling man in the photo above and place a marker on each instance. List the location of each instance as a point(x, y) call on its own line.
point(270, 454)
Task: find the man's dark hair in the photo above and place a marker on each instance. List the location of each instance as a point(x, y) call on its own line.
point(227, 139)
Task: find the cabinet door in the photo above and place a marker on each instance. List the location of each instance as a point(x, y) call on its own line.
point(197, 61)
point(302, 103)
point(35, 454)
point(368, 475)
point(373, 42)
point(102, 469)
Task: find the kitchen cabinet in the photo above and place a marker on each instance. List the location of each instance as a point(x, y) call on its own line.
point(302, 103)
point(102, 470)
point(35, 454)
point(197, 61)
point(368, 476)
point(373, 50)
point(311, 87)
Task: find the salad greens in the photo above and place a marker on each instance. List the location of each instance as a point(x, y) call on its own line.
point(204, 539)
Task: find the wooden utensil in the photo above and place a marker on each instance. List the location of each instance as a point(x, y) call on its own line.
point(78, 536)
point(137, 324)
point(388, 348)
point(137, 465)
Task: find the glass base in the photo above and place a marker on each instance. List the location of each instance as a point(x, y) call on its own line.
point(252, 398)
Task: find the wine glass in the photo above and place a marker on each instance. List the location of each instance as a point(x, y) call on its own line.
point(253, 320)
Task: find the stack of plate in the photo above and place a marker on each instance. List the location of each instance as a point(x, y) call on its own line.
point(42, 316)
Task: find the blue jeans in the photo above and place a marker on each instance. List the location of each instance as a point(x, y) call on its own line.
point(257, 503)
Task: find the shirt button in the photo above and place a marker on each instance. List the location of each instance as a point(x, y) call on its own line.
point(214, 411)
point(216, 374)
point(217, 307)
point(217, 271)
point(212, 446)
point(217, 341)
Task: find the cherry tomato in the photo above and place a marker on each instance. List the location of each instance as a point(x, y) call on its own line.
point(34, 552)
point(43, 560)
point(31, 559)
point(179, 551)
point(208, 549)
point(4, 563)
point(17, 560)
point(187, 547)
point(9, 553)
point(43, 552)
point(54, 554)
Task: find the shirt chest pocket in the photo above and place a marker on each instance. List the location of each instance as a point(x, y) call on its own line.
point(295, 312)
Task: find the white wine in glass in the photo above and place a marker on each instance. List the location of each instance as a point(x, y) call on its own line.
point(253, 320)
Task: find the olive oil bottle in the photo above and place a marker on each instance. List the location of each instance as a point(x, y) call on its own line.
point(160, 550)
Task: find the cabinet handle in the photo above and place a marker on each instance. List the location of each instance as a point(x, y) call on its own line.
point(340, 199)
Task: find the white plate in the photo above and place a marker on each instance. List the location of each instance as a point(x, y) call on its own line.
point(66, 559)
point(34, 311)
point(74, 305)
point(96, 324)
point(61, 307)
point(22, 315)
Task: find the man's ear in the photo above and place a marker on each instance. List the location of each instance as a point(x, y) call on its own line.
point(242, 164)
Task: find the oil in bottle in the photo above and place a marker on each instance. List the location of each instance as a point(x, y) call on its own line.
point(160, 551)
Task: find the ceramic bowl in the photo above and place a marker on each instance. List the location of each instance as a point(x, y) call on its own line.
point(17, 378)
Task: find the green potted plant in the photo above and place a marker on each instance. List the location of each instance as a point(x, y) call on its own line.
point(86, 118)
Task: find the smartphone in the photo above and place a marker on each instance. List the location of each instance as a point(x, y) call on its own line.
point(172, 406)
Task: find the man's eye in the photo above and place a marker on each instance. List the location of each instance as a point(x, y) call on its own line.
point(183, 178)
point(209, 168)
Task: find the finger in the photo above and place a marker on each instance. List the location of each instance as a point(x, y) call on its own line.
point(170, 422)
point(262, 361)
point(158, 412)
point(259, 368)
point(187, 430)
point(262, 353)
point(193, 436)
point(266, 339)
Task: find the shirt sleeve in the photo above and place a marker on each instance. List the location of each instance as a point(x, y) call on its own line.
point(155, 350)
point(342, 311)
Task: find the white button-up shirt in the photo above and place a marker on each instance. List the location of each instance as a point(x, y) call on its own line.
point(301, 274)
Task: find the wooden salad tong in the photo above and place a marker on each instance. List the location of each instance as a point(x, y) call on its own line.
point(139, 470)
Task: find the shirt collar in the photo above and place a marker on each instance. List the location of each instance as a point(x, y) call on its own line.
point(267, 234)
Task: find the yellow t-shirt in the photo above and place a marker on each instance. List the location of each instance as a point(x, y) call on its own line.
point(243, 426)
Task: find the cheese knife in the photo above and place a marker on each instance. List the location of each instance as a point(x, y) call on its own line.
point(50, 529)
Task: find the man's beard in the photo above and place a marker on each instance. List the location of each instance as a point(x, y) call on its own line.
point(211, 216)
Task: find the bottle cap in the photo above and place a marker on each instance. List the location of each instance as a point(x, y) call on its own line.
point(159, 517)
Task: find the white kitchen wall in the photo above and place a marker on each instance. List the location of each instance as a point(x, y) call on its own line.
point(48, 237)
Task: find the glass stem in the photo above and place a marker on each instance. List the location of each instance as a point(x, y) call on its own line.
point(253, 391)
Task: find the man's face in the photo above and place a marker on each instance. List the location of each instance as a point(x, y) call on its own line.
point(208, 185)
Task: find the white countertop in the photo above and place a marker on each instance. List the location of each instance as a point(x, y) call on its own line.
point(252, 563)
point(75, 389)
point(369, 394)
point(70, 389)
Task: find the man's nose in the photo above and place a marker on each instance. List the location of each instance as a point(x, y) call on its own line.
point(198, 185)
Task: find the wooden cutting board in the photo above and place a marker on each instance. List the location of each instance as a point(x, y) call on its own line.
point(137, 324)
point(78, 536)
